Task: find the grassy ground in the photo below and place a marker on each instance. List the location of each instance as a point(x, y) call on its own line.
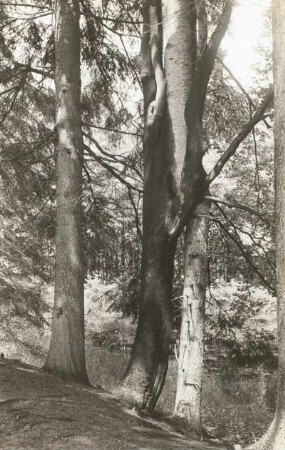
point(236, 404)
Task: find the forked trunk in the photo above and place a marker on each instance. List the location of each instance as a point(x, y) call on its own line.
point(164, 152)
point(175, 84)
point(67, 349)
point(190, 359)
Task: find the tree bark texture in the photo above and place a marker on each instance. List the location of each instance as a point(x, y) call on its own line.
point(149, 359)
point(190, 356)
point(274, 439)
point(67, 348)
point(175, 81)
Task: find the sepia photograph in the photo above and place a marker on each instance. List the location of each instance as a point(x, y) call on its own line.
point(142, 224)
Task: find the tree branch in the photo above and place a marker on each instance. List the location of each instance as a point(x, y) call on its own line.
point(132, 66)
point(110, 19)
point(243, 90)
point(207, 60)
point(110, 169)
point(114, 130)
point(156, 108)
point(109, 155)
point(144, 62)
point(24, 5)
point(14, 97)
point(256, 242)
point(258, 116)
point(239, 206)
point(29, 68)
point(244, 254)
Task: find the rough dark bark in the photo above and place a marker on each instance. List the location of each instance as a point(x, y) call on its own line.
point(67, 351)
point(274, 439)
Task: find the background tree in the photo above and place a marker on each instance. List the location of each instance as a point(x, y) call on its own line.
point(275, 437)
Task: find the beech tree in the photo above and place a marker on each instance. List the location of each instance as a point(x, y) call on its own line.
point(175, 80)
point(191, 343)
point(67, 349)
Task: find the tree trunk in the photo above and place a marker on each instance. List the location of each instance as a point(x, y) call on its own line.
point(179, 39)
point(174, 176)
point(190, 360)
point(165, 140)
point(274, 439)
point(148, 364)
point(67, 348)
point(149, 360)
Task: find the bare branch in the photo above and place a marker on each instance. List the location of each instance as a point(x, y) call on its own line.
point(239, 206)
point(131, 64)
point(30, 16)
point(111, 19)
point(110, 155)
point(110, 169)
point(256, 242)
point(207, 60)
point(243, 90)
point(14, 97)
point(36, 145)
point(24, 5)
point(244, 254)
point(258, 116)
point(119, 33)
point(114, 130)
point(29, 68)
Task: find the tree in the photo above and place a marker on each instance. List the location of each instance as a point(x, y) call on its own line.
point(196, 260)
point(67, 349)
point(175, 181)
point(27, 150)
point(274, 439)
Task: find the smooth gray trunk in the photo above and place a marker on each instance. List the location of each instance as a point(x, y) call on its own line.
point(175, 81)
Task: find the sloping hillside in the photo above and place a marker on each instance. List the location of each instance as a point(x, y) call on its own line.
point(40, 411)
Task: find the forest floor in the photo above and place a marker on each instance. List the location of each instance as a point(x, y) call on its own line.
point(40, 411)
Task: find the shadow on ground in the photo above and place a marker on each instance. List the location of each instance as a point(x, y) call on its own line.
point(40, 411)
